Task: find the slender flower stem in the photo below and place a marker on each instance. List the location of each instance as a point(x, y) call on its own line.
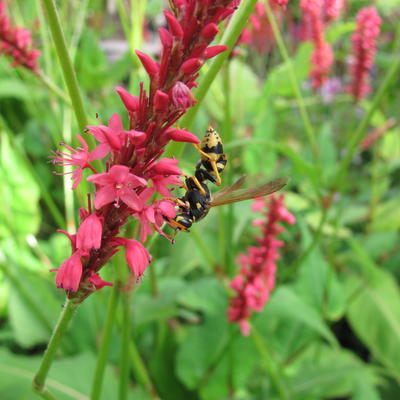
point(268, 364)
point(66, 64)
point(124, 356)
point(356, 138)
point(39, 380)
point(293, 79)
point(104, 344)
point(229, 39)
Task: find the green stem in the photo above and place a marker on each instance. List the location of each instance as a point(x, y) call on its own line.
point(65, 62)
point(228, 128)
point(124, 356)
point(355, 139)
point(229, 39)
point(140, 370)
point(39, 380)
point(293, 80)
point(104, 344)
point(269, 364)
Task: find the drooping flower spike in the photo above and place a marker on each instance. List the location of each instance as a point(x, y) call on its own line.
point(134, 171)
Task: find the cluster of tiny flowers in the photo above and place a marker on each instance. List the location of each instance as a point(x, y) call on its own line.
point(363, 50)
point(134, 172)
point(322, 56)
point(256, 279)
point(332, 9)
point(259, 32)
point(16, 42)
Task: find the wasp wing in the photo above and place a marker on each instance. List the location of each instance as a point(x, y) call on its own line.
point(226, 191)
point(228, 196)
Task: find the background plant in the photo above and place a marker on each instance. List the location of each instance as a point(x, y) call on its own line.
point(330, 328)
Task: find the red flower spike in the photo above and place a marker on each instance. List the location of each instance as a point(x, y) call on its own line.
point(174, 25)
point(122, 191)
point(16, 42)
point(364, 50)
point(256, 279)
point(149, 65)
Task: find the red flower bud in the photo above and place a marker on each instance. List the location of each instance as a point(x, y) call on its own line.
point(130, 102)
point(166, 38)
point(182, 96)
point(209, 32)
point(191, 66)
point(173, 24)
point(180, 135)
point(149, 65)
point(161, 101)
point(214, 50)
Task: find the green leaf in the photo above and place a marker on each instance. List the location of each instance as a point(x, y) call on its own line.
point(69, 378)
point(286, 304)
point(323, 372)
point(19, 213)
point(278, 82)
point(201, 346)
point(14, 88)
point(374, 309)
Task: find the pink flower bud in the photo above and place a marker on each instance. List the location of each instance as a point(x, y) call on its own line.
point(70, 272)
point(182, 96)
point(214, 51)
point(149, 65)
point(180, 135)
point(130, 102)
point(173, 24)
point(98, 283)
point(209, 32)
point(166, 166)
point(89, 233)
point(137, 256)
point(161, 101)
point(191, 66)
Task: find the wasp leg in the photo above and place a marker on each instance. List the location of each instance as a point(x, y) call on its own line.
point(178, 202)
point(212, 162)
point(197, 183)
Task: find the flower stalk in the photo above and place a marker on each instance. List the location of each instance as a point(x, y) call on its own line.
point(66, 63)
point(60, 328)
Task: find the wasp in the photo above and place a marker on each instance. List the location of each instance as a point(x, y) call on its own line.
point(195, 205)
point(213, 159)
